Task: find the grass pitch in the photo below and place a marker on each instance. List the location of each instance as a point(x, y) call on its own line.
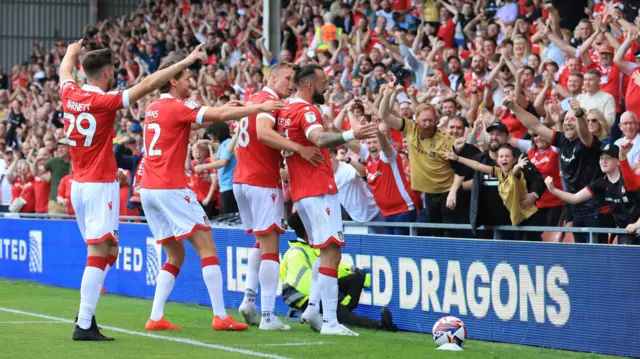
point(40, 326)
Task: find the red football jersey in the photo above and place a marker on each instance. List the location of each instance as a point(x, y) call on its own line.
point(610, 82)
point(89, 116)
point(42, 190)
point(258, 164)
point(547, 163)
point(137, 179)
point(296, 122)
point(167, 125)
point(16, 188)
point(199, 183)
point(390, 187)
point(64, 191)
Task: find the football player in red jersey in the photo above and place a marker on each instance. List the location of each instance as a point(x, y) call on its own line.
point(89, 116)
point(172, 210)
point(256, 186)
point(314, 191)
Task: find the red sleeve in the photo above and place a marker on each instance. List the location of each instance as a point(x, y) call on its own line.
point(29, 195)
point(270, 115)
point(113, 100)
point(631, 180)
point(189, 111)
point(310, 119)
point(66, 87)
point(62, 187)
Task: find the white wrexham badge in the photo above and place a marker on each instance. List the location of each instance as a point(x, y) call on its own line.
point(190, 104)
point(310, 117)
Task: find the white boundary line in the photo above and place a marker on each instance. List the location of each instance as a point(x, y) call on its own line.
point(33, 322)
point(294, 344)
point(154, 336)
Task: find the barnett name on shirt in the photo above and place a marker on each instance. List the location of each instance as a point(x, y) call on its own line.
point(79, 107)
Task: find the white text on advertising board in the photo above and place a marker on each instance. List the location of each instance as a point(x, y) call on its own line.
point(472, 290)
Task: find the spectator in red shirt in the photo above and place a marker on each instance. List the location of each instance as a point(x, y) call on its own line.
point(64, 193)
point(389, 185)
point(547, 161)
point(447, 28)
point(204, 183)
point(41, 183)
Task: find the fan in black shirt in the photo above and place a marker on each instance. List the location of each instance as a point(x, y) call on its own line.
point(624, 200)
point(578, 160)
point(459, 196)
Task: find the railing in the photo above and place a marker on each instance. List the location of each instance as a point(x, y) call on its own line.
point(413, 227)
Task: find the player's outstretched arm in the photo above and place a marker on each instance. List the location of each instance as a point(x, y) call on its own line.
point(69, 60)
point(321, 138)
point(270, 137)
point(236, 110)
point(159, 78)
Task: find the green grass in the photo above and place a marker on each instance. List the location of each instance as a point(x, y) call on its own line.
point(22, 339)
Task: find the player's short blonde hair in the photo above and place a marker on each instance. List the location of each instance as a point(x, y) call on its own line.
point(275, 69)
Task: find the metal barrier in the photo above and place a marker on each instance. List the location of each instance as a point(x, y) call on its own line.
point(413, 226)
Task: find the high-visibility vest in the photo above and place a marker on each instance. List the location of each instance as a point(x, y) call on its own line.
point(327, 33)
point(295, 272)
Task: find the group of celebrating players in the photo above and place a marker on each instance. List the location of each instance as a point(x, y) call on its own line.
point(268, 128)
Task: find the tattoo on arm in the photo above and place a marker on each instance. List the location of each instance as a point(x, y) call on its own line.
point(330, 139)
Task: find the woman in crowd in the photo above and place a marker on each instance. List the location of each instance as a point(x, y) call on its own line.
point(23, 196)
point(598, 125)
point(547, 161)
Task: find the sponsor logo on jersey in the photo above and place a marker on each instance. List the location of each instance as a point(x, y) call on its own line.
point(190, 104)
point(310, 117)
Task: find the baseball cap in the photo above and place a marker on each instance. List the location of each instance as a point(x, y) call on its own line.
point(499, 126)
point(611, 150)
point(63, 141)
point(135, 127)
point(8, 150)
point(605, 49)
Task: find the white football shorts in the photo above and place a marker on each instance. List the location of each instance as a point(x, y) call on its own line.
point(97, 207)
point(322, 219)
point(173, 214)
point(261, 209)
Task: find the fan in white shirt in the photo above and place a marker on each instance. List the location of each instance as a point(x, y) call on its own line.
point(355, 195)
point(5, 186)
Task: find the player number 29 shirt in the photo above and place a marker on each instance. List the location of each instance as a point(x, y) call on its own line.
point(258, 164)
point(296, 123)
point(167, 124)
point(89, 116)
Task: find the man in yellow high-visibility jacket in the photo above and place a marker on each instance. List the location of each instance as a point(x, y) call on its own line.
point(325, 34)
point(296, 272)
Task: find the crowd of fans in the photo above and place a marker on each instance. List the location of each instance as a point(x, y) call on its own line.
point(480, 102)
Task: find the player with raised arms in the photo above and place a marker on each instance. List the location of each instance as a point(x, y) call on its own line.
point(89, 116)
point(256, 186)
point(171, 209)
point(314, 191)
